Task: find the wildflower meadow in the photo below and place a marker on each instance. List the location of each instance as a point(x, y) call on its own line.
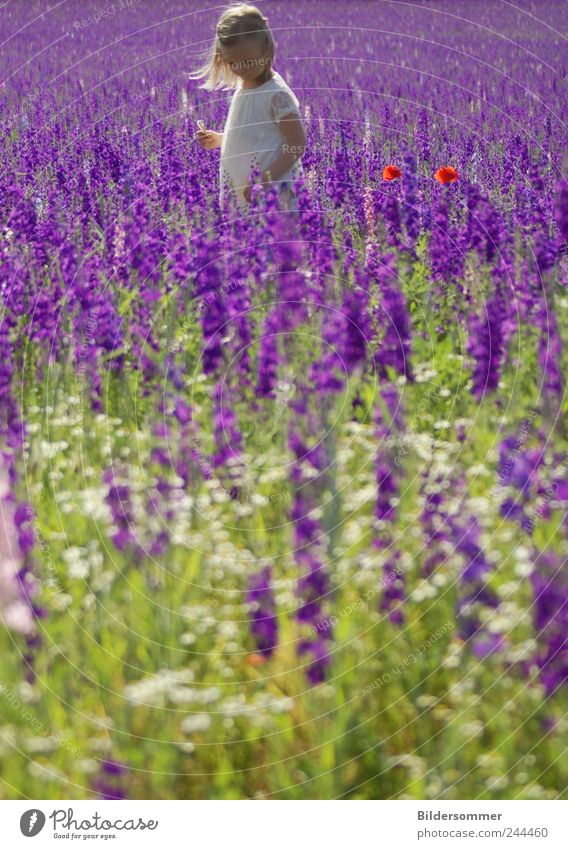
point(284, 491)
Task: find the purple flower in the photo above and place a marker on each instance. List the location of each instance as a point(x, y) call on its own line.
point(228, 438)
point(264, 625)
point(411, 201)
point(550, 354)
point(268, 358)
point(320, 659)
point(389, 206)
point(328, 371)
point(519, 465)
point(393, 348)
point(109, 784)
point(487, 344)
point(209, 291)
point(313, 585)
point(312, 588)
point(394, 592)
point(544, 248)
point(561, 210)
point(474, 590)
point(338, 178)
point(446, 257)
point(485, 232)
point(118, 499)
point(550, 616)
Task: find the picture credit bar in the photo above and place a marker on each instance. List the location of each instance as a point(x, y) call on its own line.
point(283, 823)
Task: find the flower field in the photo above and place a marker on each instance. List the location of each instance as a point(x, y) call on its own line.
point(284, 493)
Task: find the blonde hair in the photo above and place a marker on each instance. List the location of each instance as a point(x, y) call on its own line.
point(236, 22)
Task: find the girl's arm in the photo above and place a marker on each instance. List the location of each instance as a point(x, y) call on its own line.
point(293, 148)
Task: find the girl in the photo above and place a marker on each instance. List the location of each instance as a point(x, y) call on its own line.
point(263, 129)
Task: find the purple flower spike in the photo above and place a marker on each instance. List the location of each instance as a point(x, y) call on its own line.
point(264, 627)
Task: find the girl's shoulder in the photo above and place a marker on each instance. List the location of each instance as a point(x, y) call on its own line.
point(277, 83)
point(281, 95)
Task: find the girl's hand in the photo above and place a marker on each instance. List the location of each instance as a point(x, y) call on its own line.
point(208, 139)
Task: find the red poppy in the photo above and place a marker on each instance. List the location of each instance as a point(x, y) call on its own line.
point(446, 174)
point(255, 659)
point(391, 172)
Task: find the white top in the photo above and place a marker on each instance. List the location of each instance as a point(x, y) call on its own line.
point(252, 137)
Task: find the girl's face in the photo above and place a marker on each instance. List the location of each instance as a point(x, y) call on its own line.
point(247, 59)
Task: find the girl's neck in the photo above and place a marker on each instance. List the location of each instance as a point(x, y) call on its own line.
point(248, 84)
